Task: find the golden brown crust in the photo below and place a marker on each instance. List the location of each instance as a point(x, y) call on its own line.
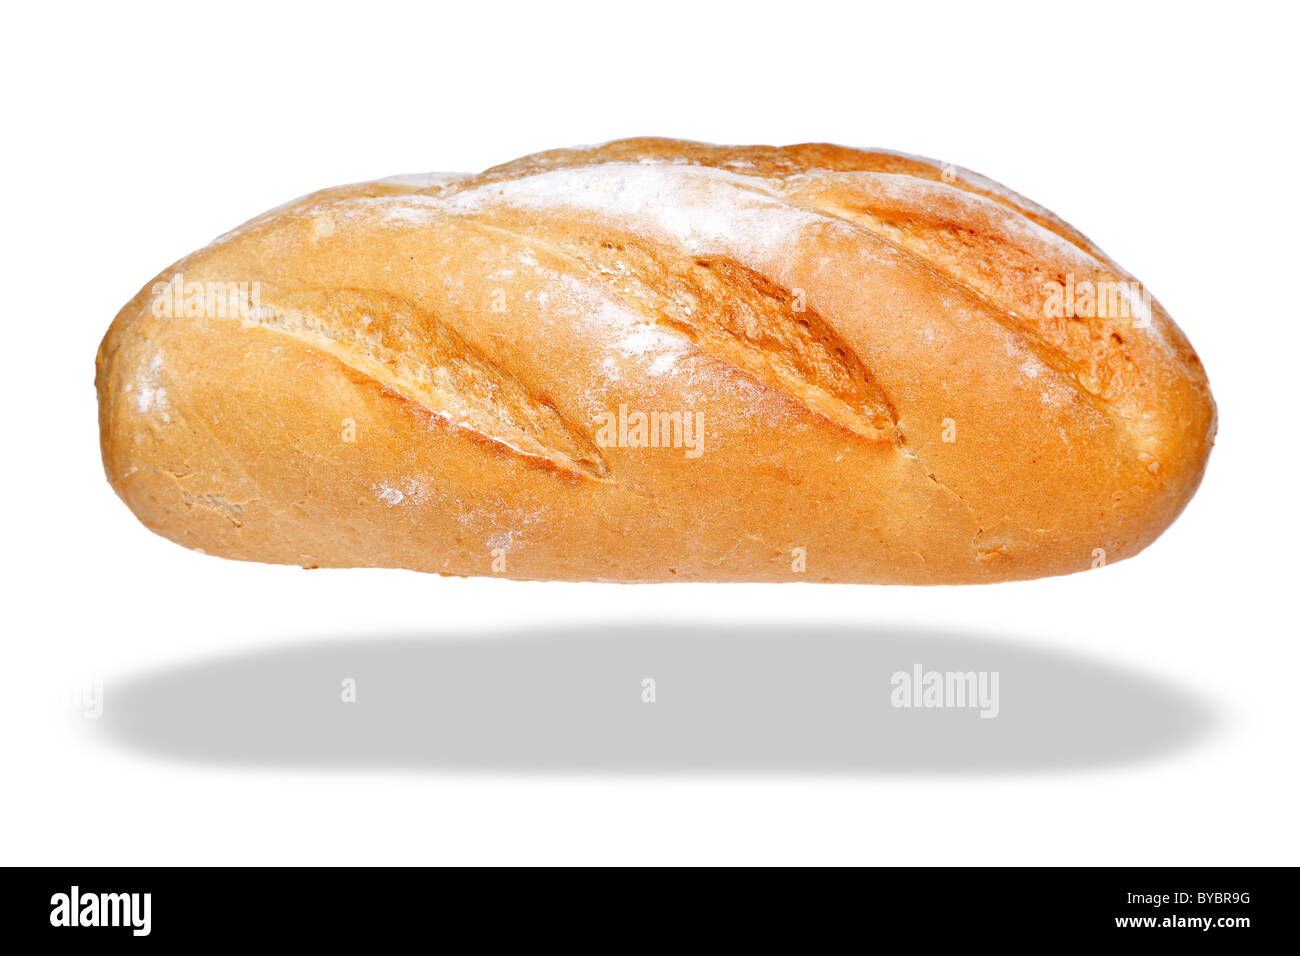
point(899, 373)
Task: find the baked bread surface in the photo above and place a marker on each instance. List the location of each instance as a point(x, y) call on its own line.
point(859, 366)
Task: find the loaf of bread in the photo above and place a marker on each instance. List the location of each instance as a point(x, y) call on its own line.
point(657, 360)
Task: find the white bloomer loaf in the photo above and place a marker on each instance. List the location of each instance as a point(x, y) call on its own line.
point(657, 360)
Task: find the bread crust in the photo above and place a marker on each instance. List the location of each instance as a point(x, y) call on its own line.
point(443, 373)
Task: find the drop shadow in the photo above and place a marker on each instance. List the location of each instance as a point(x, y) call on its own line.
point(728, 700)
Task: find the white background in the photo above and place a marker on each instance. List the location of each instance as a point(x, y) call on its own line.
point(1148, 708)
